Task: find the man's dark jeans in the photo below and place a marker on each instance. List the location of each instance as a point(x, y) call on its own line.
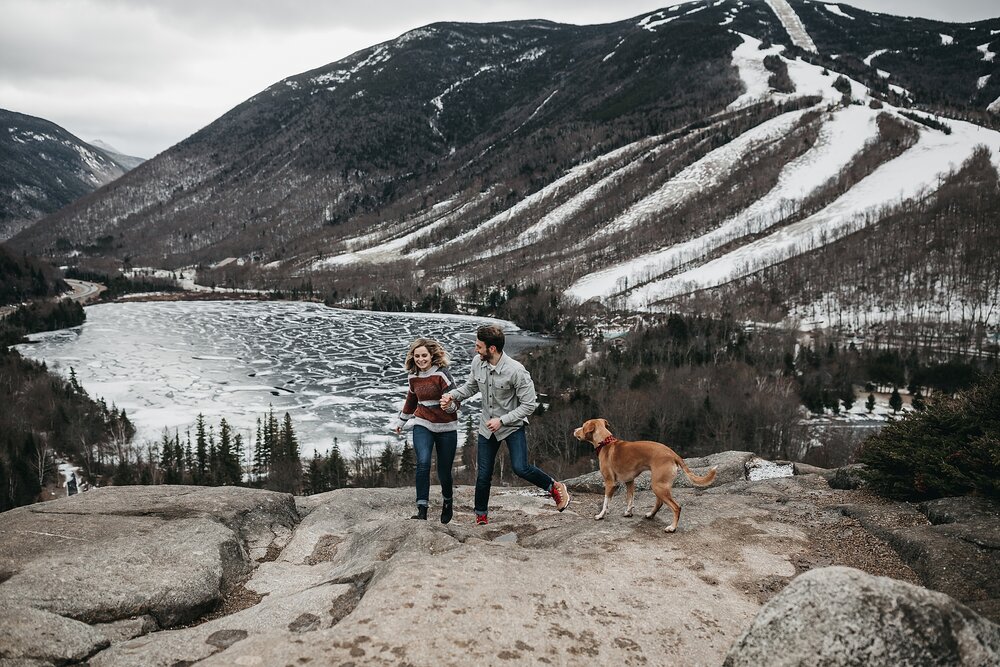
point(423, 442)
point(517, 447)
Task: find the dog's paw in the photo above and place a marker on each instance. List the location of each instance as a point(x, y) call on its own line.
point(598, 517)
point(648, 515)
point(670, 529)
point(629, 513)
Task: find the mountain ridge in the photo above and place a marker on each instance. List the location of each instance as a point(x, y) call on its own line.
point(472, 153)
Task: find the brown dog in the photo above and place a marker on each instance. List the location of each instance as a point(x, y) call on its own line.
point(622, 461)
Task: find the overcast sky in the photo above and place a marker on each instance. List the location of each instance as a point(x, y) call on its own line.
point(144, 74)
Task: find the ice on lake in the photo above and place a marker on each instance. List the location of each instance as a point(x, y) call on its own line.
point(338, 373)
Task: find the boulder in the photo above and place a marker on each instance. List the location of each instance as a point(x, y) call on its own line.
point(170, 552)
point(34, 636)
point(731, 467)
point(260, 518)
point(305, 611)
point(842, 616)
point(849, 477)
point(174, 573)
point(358, 581)
point(964, 509)
point(959, 559)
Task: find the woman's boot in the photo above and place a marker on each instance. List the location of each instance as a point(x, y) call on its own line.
point(446, 511)
point(421, 513)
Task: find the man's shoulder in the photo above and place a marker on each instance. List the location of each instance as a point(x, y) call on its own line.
point(513, 365)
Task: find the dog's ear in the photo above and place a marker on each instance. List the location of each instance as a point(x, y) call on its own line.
point(607, 424)
point(588, 429)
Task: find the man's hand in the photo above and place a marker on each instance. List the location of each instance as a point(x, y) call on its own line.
point(445, 401)
point(494, 425)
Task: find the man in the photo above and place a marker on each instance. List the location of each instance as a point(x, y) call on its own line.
point(508, 396)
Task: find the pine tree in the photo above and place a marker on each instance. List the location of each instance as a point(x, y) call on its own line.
point(407, 462)
point(895, 400)
point(214, 467)
point(917, 401)
point(239, 452)
point(388, 465)
point(336, 467)
point(870, 403)
point(189, 466)
point(200, 472)
point(286, 468)
point(229, 464)
point(315, 481)
point(260, 458)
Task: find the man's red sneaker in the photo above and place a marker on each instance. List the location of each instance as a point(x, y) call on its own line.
point(560, 495)
point(481, 520)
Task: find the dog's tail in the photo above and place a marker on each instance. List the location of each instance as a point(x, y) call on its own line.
point(703, 480)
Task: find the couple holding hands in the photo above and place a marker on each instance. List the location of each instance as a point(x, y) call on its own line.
point(431, 407)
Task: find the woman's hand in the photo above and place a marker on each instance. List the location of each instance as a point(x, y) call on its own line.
point(445, 401)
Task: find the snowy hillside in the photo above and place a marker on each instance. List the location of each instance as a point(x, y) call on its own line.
point(682, 153)
point(42, 168)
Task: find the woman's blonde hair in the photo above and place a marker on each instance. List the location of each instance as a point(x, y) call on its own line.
point(439, 357)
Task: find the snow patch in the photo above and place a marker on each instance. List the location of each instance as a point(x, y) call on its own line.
point(610, 55)
point(981, 83)
point(946, 40)
point(988, 55)
point(875, 54)
point(840, 138)
point(911, 175)
point(759, 469)
point(748, 59)
point(835, 9)
point(655, 20)
point(702, 174)
point(793, 25)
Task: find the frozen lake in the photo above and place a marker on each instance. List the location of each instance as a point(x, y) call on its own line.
point(338, 373)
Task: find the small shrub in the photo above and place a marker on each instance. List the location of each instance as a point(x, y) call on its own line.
point(952, 448)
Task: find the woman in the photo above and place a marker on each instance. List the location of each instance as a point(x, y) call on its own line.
point(427, 365)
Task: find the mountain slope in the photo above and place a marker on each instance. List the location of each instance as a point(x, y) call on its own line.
point(636, 162)
point(126, 161)
point(43, 167)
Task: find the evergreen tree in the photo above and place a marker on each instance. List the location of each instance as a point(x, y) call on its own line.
point(229, 464)
point(214, 468)
point(289, 443)
point(895, 400)
point(189, 466)
point(949, 449)
point(388, 465)
point(870, 403)
point(200, 473)
point(336, 467)
point(315, 481)
point(286, 468)
point(917, 401)
point(260, 455)
point(407, 462)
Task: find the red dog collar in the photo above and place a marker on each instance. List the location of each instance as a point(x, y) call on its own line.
point(607, 441)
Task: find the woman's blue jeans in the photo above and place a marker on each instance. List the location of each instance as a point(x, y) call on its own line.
point(424, 441)
point(517, 447)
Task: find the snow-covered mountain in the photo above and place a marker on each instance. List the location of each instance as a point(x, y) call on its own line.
point(127, 161)
point(43, 167)
point(731, 151)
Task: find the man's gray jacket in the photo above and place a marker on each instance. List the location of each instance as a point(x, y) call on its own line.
point(507, 393)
